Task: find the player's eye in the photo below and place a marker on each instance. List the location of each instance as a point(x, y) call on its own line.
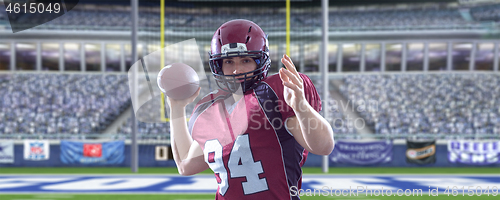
point(246, 60)
point(228, 61)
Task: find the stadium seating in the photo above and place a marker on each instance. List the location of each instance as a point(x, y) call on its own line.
point(145, 130)
point(486, 13)
point(393, 104)
point(400, 19)
point(435, 104)
point(63, 103)
point(150, 130)
point(338, 120)
point(339, 20)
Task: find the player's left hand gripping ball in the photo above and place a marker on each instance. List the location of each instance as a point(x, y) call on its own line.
point(294, 85)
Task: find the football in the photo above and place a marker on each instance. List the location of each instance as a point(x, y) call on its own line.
point(178, 81)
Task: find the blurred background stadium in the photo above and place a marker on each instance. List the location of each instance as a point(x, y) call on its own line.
point(397, 70)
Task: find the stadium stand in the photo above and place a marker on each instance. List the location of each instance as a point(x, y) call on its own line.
point(149, 130)
point(486, 13)
point(414, 18)
point(400, 19)
point(337, 118)
point(437, 104)
point(63, 103)
point(145, 130)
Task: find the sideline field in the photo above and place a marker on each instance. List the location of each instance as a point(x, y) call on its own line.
point(211, 197)
point(306, 170)
point(339, 171)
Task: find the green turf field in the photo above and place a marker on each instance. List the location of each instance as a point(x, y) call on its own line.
point(306, 170)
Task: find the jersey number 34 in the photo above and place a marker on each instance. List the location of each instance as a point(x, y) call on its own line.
point(240, 164)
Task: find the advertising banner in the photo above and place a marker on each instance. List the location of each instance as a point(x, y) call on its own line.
point(362, 153)
point(36, 150)
point(421, 152)
point(105, 153)
point(474, 152)
point(6, 152)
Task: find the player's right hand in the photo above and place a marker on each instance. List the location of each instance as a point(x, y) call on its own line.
point(182, 103)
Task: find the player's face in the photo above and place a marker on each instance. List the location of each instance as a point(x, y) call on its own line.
point(238, 65)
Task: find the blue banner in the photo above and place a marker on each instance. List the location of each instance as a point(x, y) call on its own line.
point(87, 153)
point(362, 153)
point(6, 152)
point(474, 152)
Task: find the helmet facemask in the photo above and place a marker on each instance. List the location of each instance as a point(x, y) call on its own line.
point(248, 80)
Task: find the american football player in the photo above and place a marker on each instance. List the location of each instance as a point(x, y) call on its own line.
point(256, 130)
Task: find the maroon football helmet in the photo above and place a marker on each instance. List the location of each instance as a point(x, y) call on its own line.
point(237, 38)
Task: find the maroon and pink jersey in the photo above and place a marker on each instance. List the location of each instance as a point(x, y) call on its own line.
point(252, 153)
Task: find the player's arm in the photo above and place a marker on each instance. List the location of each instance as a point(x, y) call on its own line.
point(193, 164)
point(311, 131)
point(308, 127)
point(187, 153)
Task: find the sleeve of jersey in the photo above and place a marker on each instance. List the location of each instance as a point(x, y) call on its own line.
point(192, 118)
point(194, 115)
point(311, 94)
